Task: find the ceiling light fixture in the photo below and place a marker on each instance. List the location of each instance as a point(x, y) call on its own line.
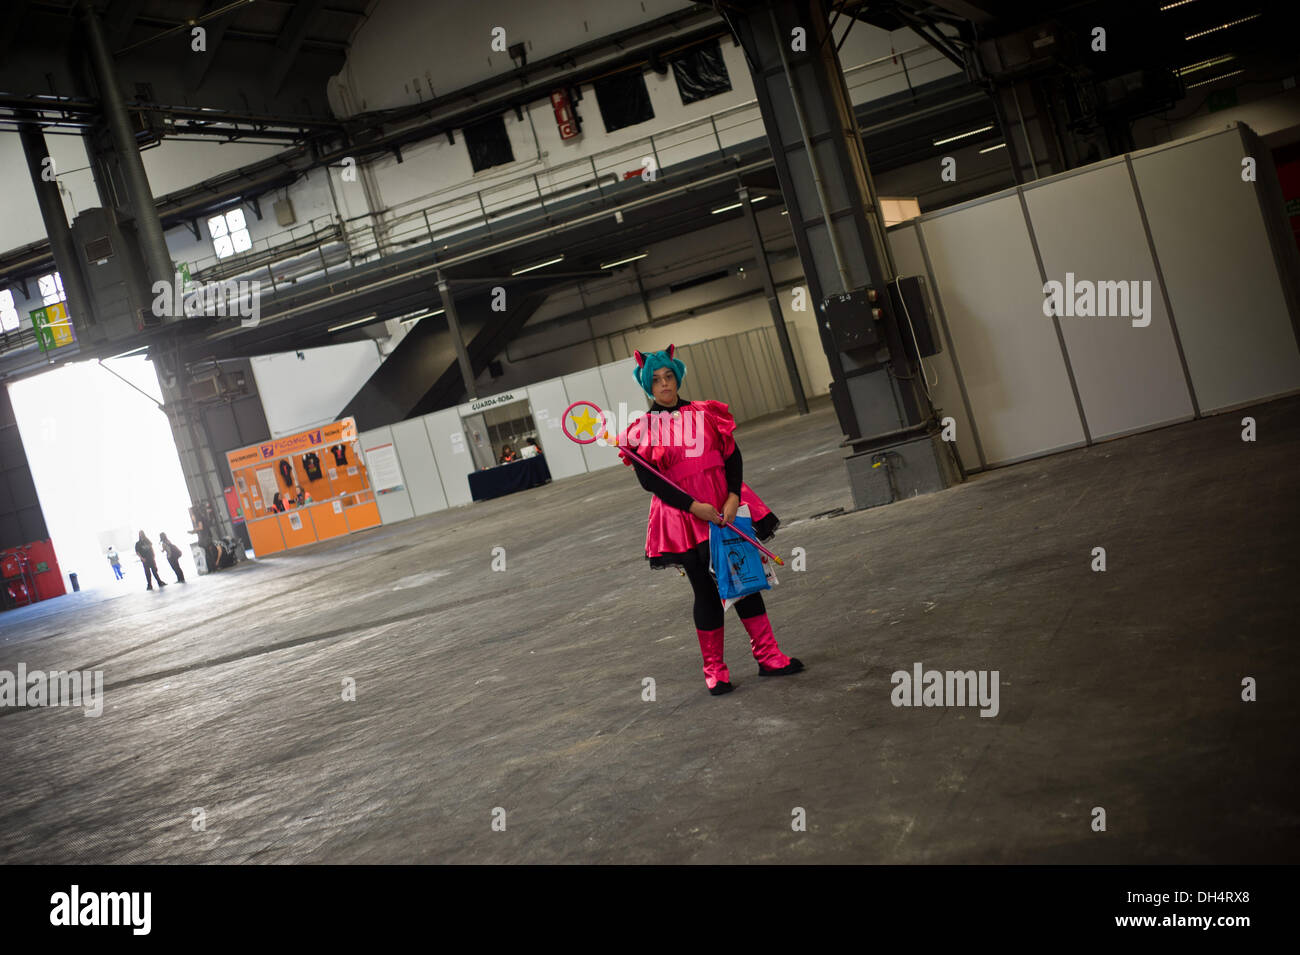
point(630, 258)
point(1214, 79)
point(1222, 26)
point(736, 205)
point(539, 265)
point(359, 321)
point(1205, 64)
point(973, 132)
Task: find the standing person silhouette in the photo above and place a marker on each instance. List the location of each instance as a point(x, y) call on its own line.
point(115, 561)
point(677, 532)
point(145, 551)
point(173, 556)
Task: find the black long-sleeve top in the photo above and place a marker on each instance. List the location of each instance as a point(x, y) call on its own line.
point(657, 486)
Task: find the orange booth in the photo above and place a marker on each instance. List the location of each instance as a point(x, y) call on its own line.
point(326, 464)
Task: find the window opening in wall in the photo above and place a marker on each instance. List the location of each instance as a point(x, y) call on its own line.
point(488, 143)
point(8, 311)
point(229, 233)
point(51, 288)
point(623, 100)
point(701, 73)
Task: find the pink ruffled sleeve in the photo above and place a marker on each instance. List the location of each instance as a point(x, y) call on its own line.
point(720, 420)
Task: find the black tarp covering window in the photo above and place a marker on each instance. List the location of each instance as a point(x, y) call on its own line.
point(701, 73)
point(623, 100)
point(488, 143)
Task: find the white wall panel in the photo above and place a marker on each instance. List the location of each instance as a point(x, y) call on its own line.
point(1129, 378)
point(588, 386)
point(395, 505)
point(563, 457)
point(451, 453)
point(1218, 264)
point(1010, 357)
point(946, 391)
point(423, 482)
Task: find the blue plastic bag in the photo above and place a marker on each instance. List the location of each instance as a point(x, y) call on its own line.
point(737, 564)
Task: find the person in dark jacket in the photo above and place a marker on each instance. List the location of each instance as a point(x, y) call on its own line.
point(173, 556)
point(144, 549)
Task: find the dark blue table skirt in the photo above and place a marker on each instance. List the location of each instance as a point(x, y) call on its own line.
point(508, 478)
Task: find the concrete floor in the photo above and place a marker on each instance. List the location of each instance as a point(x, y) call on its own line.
point(522, 689)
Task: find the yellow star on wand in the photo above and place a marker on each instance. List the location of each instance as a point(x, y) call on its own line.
point(584, 422)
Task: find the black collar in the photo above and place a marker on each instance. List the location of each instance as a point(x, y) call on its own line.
point(681, 403)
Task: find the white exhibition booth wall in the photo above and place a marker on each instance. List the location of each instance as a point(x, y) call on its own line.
point(1020, 384)
point(1222, 330)
point(433, 462)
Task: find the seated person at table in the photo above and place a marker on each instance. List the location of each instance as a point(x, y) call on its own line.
point(530, 449)
point(507, 454)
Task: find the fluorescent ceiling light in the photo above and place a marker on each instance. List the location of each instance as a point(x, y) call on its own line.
point(1214, 79)
point(359, 321)
point(539, 265)
point(989, 149)
point(1222, 26)
point(973, 132)
point(1205, 64)
point(736, 205)
point(630, 258)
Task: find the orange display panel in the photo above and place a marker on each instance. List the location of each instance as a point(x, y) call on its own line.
point(361, 516)
point(265, 536)
point(295, 525)
point(327, 522)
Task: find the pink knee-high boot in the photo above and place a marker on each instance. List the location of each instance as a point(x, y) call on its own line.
point(771, 661)
point(716, 675)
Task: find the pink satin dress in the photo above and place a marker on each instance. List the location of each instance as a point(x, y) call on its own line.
point(690, 453)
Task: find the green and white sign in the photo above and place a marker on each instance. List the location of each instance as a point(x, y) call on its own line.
point(52, 326)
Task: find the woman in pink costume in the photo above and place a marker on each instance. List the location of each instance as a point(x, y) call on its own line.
point(690, 442)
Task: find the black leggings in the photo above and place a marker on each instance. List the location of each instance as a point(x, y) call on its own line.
point(708, 604)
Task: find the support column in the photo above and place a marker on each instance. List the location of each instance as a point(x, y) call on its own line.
point(457, 340)
point(80, 312)
point(148, 225)
point(773, 303)
point(839, 232)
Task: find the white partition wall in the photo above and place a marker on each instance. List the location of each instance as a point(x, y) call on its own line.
point(1129, 377)
point(1008, 350)
point(450, 454)
point(423, 483)
point(589, 386)
point(564, 458)
point(622, 388)
point(394, 505)
point(1223, 282)
point(946, 390)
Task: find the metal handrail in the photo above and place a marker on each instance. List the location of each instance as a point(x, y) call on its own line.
point(361, 232)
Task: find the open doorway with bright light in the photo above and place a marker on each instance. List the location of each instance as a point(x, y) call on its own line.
point(105, 468)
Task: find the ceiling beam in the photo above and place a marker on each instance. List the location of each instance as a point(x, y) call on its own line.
point(290, 42)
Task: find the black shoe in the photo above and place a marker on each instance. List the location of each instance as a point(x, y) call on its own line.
point(721, 688)
point(162, 583)
point(794, 666)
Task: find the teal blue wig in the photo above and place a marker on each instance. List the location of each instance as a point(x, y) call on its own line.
point(648, 364)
